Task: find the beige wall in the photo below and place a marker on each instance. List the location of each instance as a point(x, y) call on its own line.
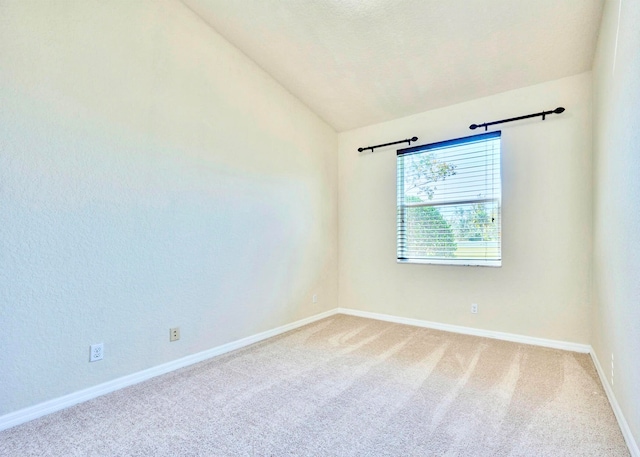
point(616, 296)
point(543, 286)
point(150, 176)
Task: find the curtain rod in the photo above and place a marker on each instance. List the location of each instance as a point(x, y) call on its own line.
point(408, 140)
point(544, 114)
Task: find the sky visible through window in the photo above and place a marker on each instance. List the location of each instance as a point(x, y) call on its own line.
point(477, 173)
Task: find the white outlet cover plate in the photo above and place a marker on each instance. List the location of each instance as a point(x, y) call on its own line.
point(97, 352)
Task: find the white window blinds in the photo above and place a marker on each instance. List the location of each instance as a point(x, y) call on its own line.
point(449, 201)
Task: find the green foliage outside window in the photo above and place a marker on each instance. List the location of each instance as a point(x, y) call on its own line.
point(431, 233)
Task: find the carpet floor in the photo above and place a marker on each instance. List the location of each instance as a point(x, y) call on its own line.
point(347, 386)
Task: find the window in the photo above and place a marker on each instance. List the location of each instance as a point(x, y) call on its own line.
point(449, 200)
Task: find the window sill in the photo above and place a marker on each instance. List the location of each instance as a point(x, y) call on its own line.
point(461, 262)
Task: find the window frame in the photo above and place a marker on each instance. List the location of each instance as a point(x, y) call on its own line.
point(401, 220)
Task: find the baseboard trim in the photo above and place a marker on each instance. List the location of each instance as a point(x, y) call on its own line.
point(555, 344)
point(66, 401)
point(622, 422)
point(57, 404)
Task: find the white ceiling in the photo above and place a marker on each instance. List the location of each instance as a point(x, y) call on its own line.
point(359, 62)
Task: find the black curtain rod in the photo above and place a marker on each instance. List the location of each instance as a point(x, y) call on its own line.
point(408, 140)
point(544, 114)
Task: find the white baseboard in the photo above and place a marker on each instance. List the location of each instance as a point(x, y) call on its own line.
point(555, 344)
point(57, 404)
point(622, 422)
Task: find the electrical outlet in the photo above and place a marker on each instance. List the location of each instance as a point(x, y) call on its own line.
point(315, 298)
point(174, 334)
point(97, 352)
point(474, 308)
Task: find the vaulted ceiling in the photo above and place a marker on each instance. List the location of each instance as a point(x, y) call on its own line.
point(359, 62)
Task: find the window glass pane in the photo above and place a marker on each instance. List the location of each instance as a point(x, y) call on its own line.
point(449, 201)
point(467, 231)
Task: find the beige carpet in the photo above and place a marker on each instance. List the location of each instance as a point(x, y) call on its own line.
point(347, 386)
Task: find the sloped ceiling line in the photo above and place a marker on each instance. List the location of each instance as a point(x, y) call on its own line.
point(357, 63)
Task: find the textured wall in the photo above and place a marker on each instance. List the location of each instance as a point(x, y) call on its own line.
point(150, 176)
point(543, 286)
point(617, 203)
